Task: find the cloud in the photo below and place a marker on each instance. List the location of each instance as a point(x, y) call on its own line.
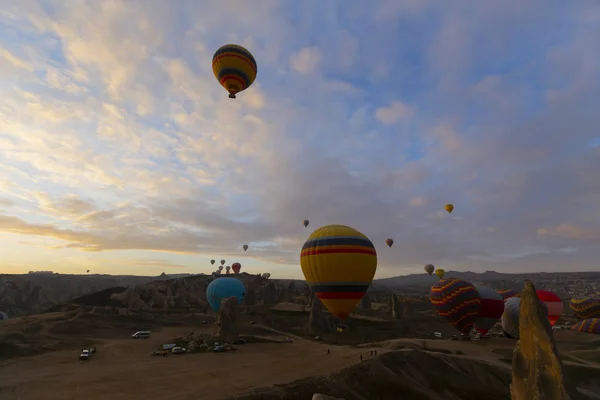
point(306, 60)
point(397, 111)
point(115, 137)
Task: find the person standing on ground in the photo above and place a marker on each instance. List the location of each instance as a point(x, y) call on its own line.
point(361, 358)
point(328, 351)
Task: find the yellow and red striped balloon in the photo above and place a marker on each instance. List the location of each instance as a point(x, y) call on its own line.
point(338, 263)
point(590, 325)
point(586, 307)
point(235, 68)
point(457, 301)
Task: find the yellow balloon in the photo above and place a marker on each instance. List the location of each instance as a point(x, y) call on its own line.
point(338, 263)
point(235, 68)
point(440, 273)
point(449, 207)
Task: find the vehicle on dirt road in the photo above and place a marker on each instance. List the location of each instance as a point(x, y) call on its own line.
point(141, 335)
point(160, 353)
point(178, 350)
point(85, 355)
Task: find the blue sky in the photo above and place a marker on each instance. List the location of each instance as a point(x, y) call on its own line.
point(120, 153)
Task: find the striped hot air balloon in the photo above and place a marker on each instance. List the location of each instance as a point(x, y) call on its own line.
point(586, 307)
point(590, 325)
point(338, 263)
point(553, 304)
point(492, 308)
point(235, 68)
point(457, 301)
point(507, 293)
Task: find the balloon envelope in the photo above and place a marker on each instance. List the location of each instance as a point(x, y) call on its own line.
point(457, 301)
point(338, 263)
point(510, 317)
point(223, 288)
point(449, 208)
point(222, 262)
point(212, 261)
point(236, 266)
point(553, 304)
point(590, 325)
point(586, 307)
point(234, 67)
point(492, 308)
point(306, 222)
point(389, 242)
point(507, 293)
point(245, 247)
point(440, 273)
point(429, 268)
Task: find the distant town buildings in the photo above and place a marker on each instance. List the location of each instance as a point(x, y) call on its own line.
point(41, 272)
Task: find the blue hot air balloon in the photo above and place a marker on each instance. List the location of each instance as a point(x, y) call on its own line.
point(222, 288)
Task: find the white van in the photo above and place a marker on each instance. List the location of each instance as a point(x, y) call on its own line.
point(141, 335)
point(437, 335)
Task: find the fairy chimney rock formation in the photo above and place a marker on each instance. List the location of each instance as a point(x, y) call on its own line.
point(227, 324)
point(537, 370)
point(318, 321)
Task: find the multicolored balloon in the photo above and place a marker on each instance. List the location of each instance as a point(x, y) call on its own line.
point(457, 301)
point(507, 293)
point(492, 308)
point(449, 208)
point(245, 247)
point(440, 273)
point(389, 242)
point(306, 222)
point(586, 307)
point(338, 263)
point(235, 68)
point(223, 288)
point(429, 268)
point(590, 325)
point(553, 304)
point(510, 317)
point(236, 266)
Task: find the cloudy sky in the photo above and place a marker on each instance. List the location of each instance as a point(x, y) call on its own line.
point(120, 153)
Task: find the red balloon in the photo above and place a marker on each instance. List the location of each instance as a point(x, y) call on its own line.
point(553, 303)
point(236, 266)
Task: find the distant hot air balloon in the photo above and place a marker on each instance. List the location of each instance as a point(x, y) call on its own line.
point(586, 307)
point(389, 242)
point(589, 325)
point(227, 268)
point(429, 268)
point(220, 268)
point(223, 288)
point(457, 301)
point(510, 317)
point(449, 208)
point(212, 262)
point(222, 262)
point(306, 223)
point(235, 68)
point(266, 275)
point(236, 266)
point(440, 273)
point(507, 293)
point(338, 263)
point(553, 304)
point(88, 271)
point(3, 316)
point(245, 247)
point(492, 308)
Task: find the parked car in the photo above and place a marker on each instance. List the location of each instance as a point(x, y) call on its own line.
point(141, 335)
point(85, 355)
point(160, 353)
point(178, 350)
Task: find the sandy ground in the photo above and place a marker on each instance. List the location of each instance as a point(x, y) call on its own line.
point(123, 369)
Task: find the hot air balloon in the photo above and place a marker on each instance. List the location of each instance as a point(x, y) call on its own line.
point(338, 263)
point(457, 301)
point(429, 268)
point(449, 208)
point(306, 223)
point(510, 317)
point(3, 316)
point(88, 271)
point(236, 266)
point(553, 304)
point(223, 288)
point(222, 262)
point(235, 68)
point(227, 268)
point(586, 307)
point(590, 325)
point(507, 293)
point(492, 308)
point(245, 247)
point(440, 273)
point(212, 262)
point(266, 275)
point(389, 242)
